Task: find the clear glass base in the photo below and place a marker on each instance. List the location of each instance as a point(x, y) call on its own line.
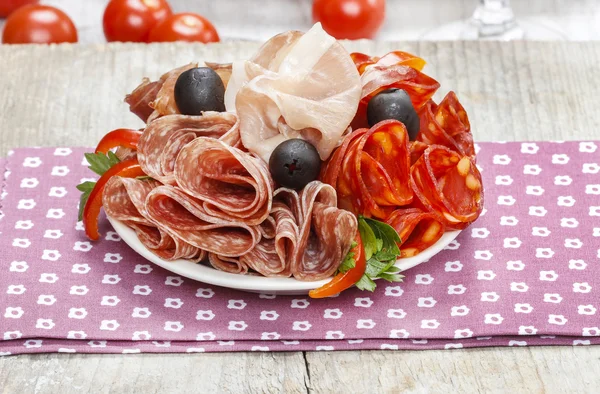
point(472, 30)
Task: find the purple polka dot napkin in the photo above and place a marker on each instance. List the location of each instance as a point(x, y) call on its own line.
point(526, 273)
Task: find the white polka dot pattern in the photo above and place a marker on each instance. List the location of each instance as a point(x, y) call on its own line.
point(526, 273)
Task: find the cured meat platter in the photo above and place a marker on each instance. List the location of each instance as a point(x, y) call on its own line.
point(302, 169)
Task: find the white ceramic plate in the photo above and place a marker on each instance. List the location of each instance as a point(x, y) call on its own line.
point(252, 283)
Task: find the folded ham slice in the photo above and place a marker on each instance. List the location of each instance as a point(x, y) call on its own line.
point(230, 184)
point(296, 86)
point(162, 139)
point(124, 200)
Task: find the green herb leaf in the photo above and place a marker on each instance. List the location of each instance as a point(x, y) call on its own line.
point(380, 241)
point(144, 178)
point(100, 163)
point(86, 188)
point(386, 234)
point(348, 263)
point(366, 283)
point(368, 237)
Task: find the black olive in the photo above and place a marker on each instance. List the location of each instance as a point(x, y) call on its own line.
point(394, 104)
point(294, 163)
point(199, 89)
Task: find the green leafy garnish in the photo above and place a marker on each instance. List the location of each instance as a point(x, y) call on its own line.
point(348, 263)
point(85, 188)
point(99, 163)
point(380, 241)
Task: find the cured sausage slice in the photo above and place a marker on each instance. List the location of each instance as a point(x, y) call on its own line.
point(420, 87)
point(124, 199)
point(448, 186)
point(164, 138)
point(417, 229)
point(184, 217)
point(446, 124)
point(230, 184)
point(149, 96)
point(371, 170)
point(401, 58)
point(325, 233)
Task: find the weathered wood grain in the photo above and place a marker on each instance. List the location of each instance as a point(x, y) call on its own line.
point(71, 95)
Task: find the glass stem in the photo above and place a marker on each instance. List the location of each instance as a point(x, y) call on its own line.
point(494, 17)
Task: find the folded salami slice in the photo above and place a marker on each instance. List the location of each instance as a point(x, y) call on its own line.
point(446, 124)
point(417, 229)
point(164, 138)
point(371, 170)
point(230, 184)
point(448, 185)
point(325, 233)
point(233, 265)
point(124, 200)
point(158, 95)
point(184, 217)
point(271, 257)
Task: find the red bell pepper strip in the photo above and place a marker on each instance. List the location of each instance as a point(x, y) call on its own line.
point(343, 281)
point(126, 138)
point(128, 169)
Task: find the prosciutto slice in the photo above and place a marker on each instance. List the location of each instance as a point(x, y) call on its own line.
point(231, 184)
point(162, 139)
point(185, 218)
point(296, 86)
point(124, 200)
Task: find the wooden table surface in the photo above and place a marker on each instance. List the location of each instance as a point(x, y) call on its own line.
point(71, 95)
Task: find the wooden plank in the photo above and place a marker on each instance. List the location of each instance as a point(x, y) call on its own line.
point(532, 370)
point(154, 373)
point(67, 95)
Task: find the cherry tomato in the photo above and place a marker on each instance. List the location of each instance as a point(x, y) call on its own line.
point(8, 6)
point(132, 20)
point(350, 19)
point(184, 27)
point(38, 24)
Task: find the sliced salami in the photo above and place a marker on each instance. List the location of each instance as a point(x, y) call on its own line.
point(233, 265)
point(325, 233)
point(164, 138)
point(371, 170)
point(420, 87)
point(446, 124)
point(184, 217)
point(417, 229)
point(158, 95)
point(448, 186)
point(124, 200)
point(231, 184)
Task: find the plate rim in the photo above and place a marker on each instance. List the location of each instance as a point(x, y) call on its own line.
point(250, 282)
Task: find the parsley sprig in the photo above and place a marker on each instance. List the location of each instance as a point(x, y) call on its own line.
point(381, 252)
point(99, 163)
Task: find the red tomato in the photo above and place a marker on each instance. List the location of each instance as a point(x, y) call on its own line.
point(350, 19)
point(132, 20)
point(184, 27)
point(8, 6)
point(38, 24)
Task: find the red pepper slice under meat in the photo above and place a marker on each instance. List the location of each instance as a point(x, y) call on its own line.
point(91, 211)
point(343, 281)
point(126, 138)
point(362, 61)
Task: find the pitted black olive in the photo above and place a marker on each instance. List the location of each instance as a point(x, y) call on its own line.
point(199, 89)
point(295, 163)
point(394, 104)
